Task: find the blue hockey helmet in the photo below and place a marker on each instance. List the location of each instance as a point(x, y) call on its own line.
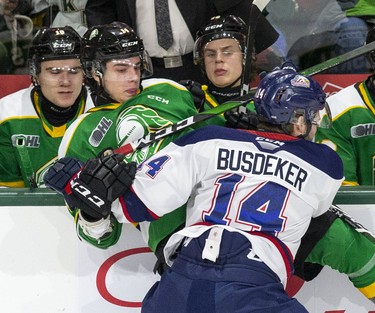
point(283, 95)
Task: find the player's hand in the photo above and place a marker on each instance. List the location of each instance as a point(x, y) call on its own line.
point(195, 89)
point(93, 188)
point(101, 181)
point(241, 117)
point(60, 173)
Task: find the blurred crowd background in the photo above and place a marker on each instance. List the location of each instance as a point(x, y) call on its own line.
point(310, 31)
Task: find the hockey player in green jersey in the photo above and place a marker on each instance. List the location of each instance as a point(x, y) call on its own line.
point(127, 109)
point(33, 120)
point(352, 134)
point(221, 62)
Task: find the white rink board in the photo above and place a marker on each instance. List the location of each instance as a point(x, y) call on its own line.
point(44, 268)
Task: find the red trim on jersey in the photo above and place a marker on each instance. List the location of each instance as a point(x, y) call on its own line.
point(68, 188)
point(272, 135)
point(138, 205)
point(283, 249)
point(125, 210)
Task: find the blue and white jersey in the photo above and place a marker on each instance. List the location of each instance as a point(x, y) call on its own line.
point(254, 182)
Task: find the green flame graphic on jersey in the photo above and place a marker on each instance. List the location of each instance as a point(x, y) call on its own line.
point(134, 123)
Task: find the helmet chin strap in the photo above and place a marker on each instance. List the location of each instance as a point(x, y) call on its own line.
point(235, 82)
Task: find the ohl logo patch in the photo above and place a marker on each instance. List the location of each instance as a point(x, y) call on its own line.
point(99, 132)
point(29, 141)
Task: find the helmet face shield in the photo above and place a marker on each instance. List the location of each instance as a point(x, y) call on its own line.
point(55, 73)
point(121, 70)
point(122, 65)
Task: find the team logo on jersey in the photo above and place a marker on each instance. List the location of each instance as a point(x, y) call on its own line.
point(134, 123)
point(99, 132)
point(29, 141)
point(300, 81)
point(363, 130)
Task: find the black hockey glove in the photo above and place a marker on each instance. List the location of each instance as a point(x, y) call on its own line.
point(101, 181)
point(242, 118)
point(93, 188)
point(195, 89)
point(60, 173)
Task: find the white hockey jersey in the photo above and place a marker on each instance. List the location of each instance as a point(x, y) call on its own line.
point(266, 185)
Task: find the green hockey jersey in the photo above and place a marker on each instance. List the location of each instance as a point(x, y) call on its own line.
point(161, 103)
point(352, 134)
point(29, 144)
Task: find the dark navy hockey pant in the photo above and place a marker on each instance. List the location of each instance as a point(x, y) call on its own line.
point(232, 284)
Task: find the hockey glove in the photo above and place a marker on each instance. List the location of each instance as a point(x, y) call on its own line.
point(195, 89)
point(101, 181)
point(242, 118)
point(60, 173)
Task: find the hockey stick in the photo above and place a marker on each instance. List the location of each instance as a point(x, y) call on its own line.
point(183, 124)
point(352, 222)
point(25, 162)
point(248, 53)
point(250, 41)
point(339, 59)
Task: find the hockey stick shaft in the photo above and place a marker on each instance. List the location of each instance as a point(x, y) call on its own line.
point(249, 48)
point(255, 11)
point(339, 59)
point(183, 124)
point(25, 162)
point(352, 222)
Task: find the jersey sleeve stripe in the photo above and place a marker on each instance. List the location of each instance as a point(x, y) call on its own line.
point(134, 209)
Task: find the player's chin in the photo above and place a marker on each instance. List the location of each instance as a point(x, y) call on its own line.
point(65, 102)
point(127, 96)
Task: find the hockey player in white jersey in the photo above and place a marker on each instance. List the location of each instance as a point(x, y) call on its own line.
point(251, 195)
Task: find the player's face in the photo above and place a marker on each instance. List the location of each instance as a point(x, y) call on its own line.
point(223, 62)
point(314, 126)
point(300, 127)
point(121, 78)
point(61, 81)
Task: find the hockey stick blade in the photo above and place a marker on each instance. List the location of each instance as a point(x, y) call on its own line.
point(183, 124)
point(338, 60)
